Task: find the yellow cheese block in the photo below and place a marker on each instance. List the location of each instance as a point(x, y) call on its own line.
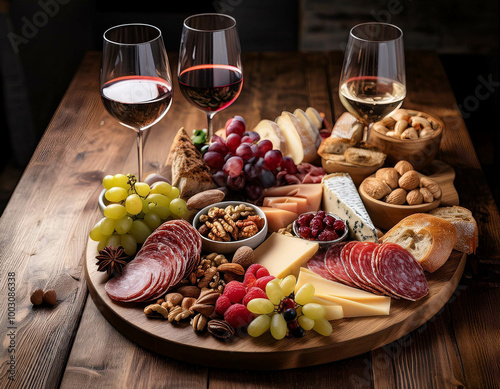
point(333, 311)
point(327, 287)
point(357, 309)
point(278, 218)
point(284, 255)
point(312, 192)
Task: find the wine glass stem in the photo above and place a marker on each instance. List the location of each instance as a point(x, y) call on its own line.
point(139, 153)
point(210, 126)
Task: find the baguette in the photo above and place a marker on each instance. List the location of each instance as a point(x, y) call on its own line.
point(428, 238)
point(464, 222)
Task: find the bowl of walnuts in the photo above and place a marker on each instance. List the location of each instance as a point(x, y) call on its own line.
point(226, 226)
point(392, 194)
point(408, 135)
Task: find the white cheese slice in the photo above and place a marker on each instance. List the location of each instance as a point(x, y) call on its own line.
point(341, 198)
point(356, 309)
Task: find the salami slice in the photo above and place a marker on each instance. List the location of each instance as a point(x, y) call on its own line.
point(317, 264)
point(134, 280)
point(334, 265)
point(365, 267)
point(344, 264)
point(399, 272)
point(354, 270)
point(157, 277)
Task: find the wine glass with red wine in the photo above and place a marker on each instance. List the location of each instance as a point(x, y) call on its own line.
point(373, 81)
point(210, 72)
point(136, 84)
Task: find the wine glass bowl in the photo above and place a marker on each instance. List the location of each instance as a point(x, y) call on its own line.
point(209, 71)
point(373, 80)
point(135, 81)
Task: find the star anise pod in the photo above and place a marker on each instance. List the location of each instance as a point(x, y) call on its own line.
point(112, 259)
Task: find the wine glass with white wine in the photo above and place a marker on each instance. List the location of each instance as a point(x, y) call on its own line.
point(373, 80)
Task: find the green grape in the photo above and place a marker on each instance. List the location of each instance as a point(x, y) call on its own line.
point(142, 189)
point(114, 240)
point(145, 206)
point(276, 280)
point(260, 306)
point(115, 211)
point(178, 207)
point(102, 244)
point(305, 294)
point(314, 311)
point(174, 193)
point(107, 226)
point(259, 325)
point(133, 204)
point(278, 326)
point(162, 187)
point(153, 220)
point(288, 284)
point(162, 212)
point(140, 231)
point(116, 194)
point(123, 225)
point(323, 327)
point(129, 244)
point(107, 182)
point(274, 293)
point(306, 323)
point(121, 181)
point(96, 234)
point(158, 199)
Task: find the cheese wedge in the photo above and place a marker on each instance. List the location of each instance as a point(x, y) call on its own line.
point(301, 144)
point(333, 311)
point(312, 192)
point(300, 204)
point(357, 309)
point(308, 125)
point(327, 287)
point(284, 255)
point(315, 117)
point(341, 198)
point(268, 129)
point(278, 218)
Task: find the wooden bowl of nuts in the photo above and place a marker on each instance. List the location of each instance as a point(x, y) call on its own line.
point(409, 135)
point(226, 226)
point(392, 194)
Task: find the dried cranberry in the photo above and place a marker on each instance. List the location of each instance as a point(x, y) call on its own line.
point(321, 214)
point(305, 219)
point(315, 232)
point(316, 224)
point(329, 220)
point(339, 225)
point(305, 232)
point(327, 235)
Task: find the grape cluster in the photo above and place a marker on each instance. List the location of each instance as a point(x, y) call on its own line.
point(135, 211)
point(243, 162)
point(284, 312)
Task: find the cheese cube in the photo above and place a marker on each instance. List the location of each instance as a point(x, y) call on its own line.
point(278, 218)
point(312, 192)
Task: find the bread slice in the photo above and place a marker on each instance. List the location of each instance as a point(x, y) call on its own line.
point(315, 117)
point(347, 126)
point(189, 172)
point(364, 157)
point(428, 238)
point(308, 124)
point(301, 143)
point(268, 129)
point(464, 222)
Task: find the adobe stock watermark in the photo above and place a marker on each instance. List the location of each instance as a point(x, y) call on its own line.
point(484, 89)
point(226, 6)
point(31, 26)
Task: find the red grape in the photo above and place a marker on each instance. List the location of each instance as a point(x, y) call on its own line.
point(216, 139)
point(213, 160)
point(264, 146)
point(288, 165)
point(220, 148)
point(235, 125)
point(255, 149)
point(252, 134)
point(244, 151)
point(233, 167)
point(268, 179)
point(251, 171)
point(273, 159)
point(253, 190)
point(247, 139)
point(236, 183)
point(220, 178)
point(233, 141)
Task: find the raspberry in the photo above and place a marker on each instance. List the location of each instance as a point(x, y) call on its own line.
point(249, 281)
point(222, 304)
point(262, 282)
point(235, 291)
point(238, 315)
point(305, 219)
point(263, 272)
point(253, 269)
point(253, 293)
point(327, 235)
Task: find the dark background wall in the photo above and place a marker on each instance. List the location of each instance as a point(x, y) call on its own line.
point(43, 41)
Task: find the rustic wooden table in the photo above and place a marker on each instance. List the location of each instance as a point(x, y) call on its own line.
point(45, 227)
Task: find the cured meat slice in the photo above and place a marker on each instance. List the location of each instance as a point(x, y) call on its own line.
point(344, 263)
point(399, 272)
point(334, 265)
point(317, 264)
point(365, 267)
point(354, 270)
point(134, 280)
point(156, 279)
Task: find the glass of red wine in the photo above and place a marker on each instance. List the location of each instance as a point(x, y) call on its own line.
point(136, 84)
point(373, 81)
point(210, 72)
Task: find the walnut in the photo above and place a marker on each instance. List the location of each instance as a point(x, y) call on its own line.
point(217, 232)
point(259, 222)
point(239, 212)
point(230, 226)
point(247, 228)
point(215, 213)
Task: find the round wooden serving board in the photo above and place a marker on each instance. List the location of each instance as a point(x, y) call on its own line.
point(350, 337)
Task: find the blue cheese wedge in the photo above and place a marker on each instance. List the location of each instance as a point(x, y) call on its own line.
point(341, 198)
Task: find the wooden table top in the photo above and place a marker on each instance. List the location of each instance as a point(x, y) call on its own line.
point(45, 226)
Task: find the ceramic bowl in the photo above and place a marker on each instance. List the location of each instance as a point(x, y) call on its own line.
point(213, 246)
point(326, 242)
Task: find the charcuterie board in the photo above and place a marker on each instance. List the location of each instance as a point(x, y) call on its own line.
point(350, 337)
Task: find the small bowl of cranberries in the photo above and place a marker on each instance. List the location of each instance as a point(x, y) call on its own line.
point(322, 227)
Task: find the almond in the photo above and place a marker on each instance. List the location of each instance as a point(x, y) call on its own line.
point(388, 175)
point(375, 188)
point(189, 291)
point(244, 256)
point(397, 196)
point(410, 180)
point(414, 197)
point(234, 268)
point(402, 167)
point(37, 297)
point(49, 296)
point(205, 198)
